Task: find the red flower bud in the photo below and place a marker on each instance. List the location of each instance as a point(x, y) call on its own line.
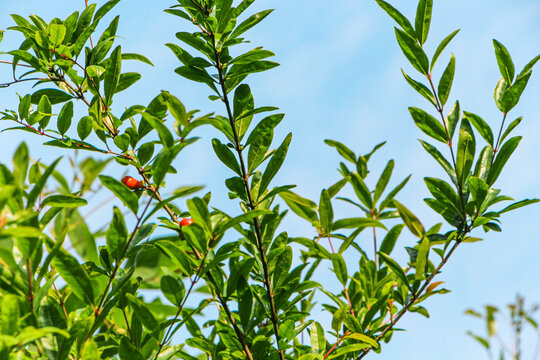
point(132, 183)
point(186, 222)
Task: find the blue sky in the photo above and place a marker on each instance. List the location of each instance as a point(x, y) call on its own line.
point(340, 78)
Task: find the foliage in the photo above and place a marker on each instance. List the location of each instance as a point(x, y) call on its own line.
point(518, 317)
point(91, 303)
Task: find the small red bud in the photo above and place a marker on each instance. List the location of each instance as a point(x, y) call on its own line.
point(186, 222)
point(132, 183)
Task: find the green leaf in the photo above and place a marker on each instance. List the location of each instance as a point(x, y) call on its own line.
point(244, 218)
point(423, 20)
point(84, 127)
point(239, 70)
point(126, 80)
point(64, 118)
point(326, 212)
point(249, 23)
point(517, 205)
point(383, 180)
point(483, 164)
point(251, 56)
point(343, 150)
point(413, 52)
point(421, 89)
point(67, 201)
point(74, 275)
point(480, 125)
point(390, 197)
point(142, 312)
point(441, 48)
point(163, 162)
point(390, 239)
point(428, 124)
point(397, 16)
point(506, 66)
point(465, 152)
point(112, 74)
point(173, 289)
point(122, 141)
point(139, 57)
point(452, 119)
point(275, 163)
point(361, 190)
point(432, 150)
point(40, 184)
point(57, 32)
point(163, 132)
point(117, 235)
point(479, 190)
point(258, 151)
point(443, 192)
point(498, 93)
point(176, 108)
point(128, 351)
point(199, 213)
point(318, 342)
point(421, 258)
point(226, 156)
point(529, 66)
point(9, 314)
point(44, 111)
point(447, 78)
point(412, 222)
point(502, 157)
point(363, 338)
point(512, 95)
point(121, 191)
point(264, 127)
point(24, 106)
point(509, 129)
point(357, 223)
point(340, 269)
point(300, 206)
point(394, 266)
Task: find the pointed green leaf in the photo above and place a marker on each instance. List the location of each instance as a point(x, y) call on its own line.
point(506, 66)
point(390, 239)
point(502, 157)
point(326, 212)
point(447, 78)
point(74, 275)
point(441, 48)
point(112, 74)
point(428, 124)
point(413, 52)
point(412, 222)
point(275, 163)
point(421, 89)
point(383, 180)
point(121, 191)
point(397, 16)
point(67, 201)
point(480, 125)
point(423, 20)
point(394, 266)
point(173, 289)
point(226, 156)
point(163, 132)
point(465, 152)
point(117, 235)
point(64, 118)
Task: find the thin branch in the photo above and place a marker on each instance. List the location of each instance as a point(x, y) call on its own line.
point(251, 203)
point(414, 298)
